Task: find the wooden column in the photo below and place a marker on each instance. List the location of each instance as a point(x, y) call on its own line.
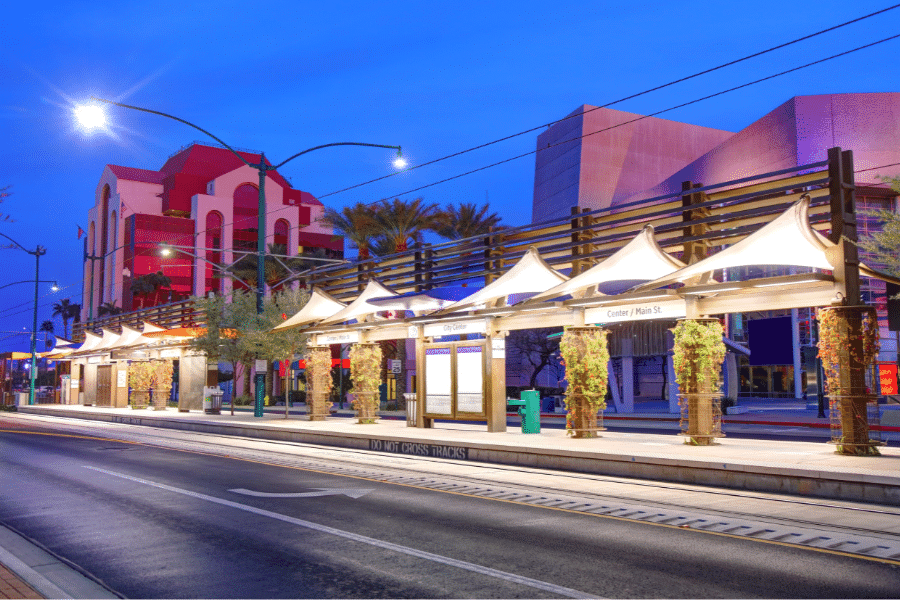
point(495, 380)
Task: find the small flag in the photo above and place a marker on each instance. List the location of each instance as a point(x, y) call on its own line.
point(80, 232)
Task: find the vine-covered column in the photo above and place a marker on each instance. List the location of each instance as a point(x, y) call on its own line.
point(698, 355)
point(586, 356)
point(139, 381)
point(318, 382)
point(161, 382)
point(848, 345)
point(365, 373)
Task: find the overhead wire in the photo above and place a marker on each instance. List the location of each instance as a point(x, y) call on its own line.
point(620, 100)
point(5, 313)
point(632, 96)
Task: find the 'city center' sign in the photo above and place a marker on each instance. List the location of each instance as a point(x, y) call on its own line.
point(636, 311)
point(454, 328)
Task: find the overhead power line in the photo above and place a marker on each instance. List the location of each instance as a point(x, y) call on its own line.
point(656, 88)
point(641, 118)
point(620, 100)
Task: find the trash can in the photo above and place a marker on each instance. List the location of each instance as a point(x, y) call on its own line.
point(411, 404)
point(212, 400)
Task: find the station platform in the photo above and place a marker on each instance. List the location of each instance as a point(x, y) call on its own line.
point(803, 468)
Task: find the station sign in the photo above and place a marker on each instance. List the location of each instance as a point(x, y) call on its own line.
point(340, 337)
point(455, 328)
point(637, 311)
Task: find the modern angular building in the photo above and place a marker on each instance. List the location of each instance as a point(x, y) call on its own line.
point(204, 201)
point(603, 158)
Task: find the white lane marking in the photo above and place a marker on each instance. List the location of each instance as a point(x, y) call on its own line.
point(353, 493)
point(461, 564)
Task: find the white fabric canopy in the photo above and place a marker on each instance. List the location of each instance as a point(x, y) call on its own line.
point(788, 240)
point(319, 306)
point(361, 307)
point(109, 338)
point(639, 259)
point(135, 337)
point(418, 304)
point(91, 341)
point(530, 274)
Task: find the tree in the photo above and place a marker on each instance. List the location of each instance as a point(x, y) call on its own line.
point(884, 245)
point(402, 221)
point(465, 221)
point(282, 345)
point(64, 310)
point(536, 347)
point(221, 341)
point(276, 269)
point(151, 283)
point(237, 335)
point(108, 308)
point(47, 326)
point(356, 223)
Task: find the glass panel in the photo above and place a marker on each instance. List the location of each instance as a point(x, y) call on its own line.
point(437, 381)
point(469, 381)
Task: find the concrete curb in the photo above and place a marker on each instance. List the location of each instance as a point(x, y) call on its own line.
point(748, 473)
point(49, 576)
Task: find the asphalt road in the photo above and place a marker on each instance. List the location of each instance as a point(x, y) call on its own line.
point(158, 522)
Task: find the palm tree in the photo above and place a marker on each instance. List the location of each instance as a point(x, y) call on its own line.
point(465, 221)
point(275, 269)
point(151, 283)
point(47, 326)
point(108, 308)
point(401, 221)
point(356, 223)
point(63, 310)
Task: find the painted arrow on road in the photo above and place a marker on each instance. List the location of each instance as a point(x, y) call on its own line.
point(353, 493)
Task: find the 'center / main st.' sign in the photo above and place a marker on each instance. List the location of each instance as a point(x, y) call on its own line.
point(636, 311)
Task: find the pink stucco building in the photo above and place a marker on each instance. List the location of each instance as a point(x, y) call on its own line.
point(591, 161)
point(203, 198)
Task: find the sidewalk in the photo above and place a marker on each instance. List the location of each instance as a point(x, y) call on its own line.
point(11, 586)
point(766, 465)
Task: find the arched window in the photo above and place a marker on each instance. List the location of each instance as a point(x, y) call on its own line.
point(213, 246)
point(246, 215)
point(281, 234)
point(102, 238)
point(112, 245)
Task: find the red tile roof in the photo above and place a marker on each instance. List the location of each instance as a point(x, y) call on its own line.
point(133, 174)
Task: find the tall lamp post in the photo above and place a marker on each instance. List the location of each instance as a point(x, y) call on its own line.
point(94, 118)
point(37, 252)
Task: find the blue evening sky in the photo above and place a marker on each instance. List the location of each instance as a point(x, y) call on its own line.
point(436, 77)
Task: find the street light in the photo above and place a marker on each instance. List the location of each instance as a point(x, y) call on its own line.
point(53, 288)
point(37, 252)
point(96, 118)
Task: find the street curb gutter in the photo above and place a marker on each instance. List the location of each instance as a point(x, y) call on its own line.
point(48, 575)
point(783, 479)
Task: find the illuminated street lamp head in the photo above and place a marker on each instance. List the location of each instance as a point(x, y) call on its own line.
point(90, 116)
point(165, 250)
point(400, 162)
point(54, 287)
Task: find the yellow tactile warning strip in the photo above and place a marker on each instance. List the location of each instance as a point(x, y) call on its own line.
point(13, 587)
